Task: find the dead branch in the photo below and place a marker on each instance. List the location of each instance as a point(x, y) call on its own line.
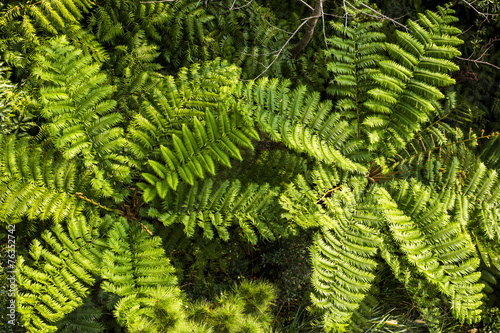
point(311, 24)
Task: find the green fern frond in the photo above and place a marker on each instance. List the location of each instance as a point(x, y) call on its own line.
point(174, 102)
point(85, 318)
point(217, 207)
point(439, 244)
point(387, 90)
point(80, 113)
point(137, 270)
point(343, 256)
point(56, 281)
point(317, 136)
point(197, 152)
point(36, 184)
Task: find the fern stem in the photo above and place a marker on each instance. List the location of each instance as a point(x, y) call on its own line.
point(356, 89)
point(327, 193)
point(318, 11)
point(434, 123)
point(80, 195)
point(462, 141)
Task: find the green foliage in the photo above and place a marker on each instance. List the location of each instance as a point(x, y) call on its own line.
point(138, 271)
point(15, 108)
point(57, 280)
point(194, 154)
point(303, 124)
point(37, 184)
point(244, 310)
point(80, 117)
point(210, 207)
point(145, 187)
point(387, 100)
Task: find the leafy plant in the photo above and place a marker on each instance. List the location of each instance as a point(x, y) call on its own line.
point(130, 163)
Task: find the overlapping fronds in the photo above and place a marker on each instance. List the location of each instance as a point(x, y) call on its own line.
point(81, 119)
point(133, 31)
point(436, 244)
point(462, 225)
point(174, 102)
point(211, 207)
point(250, 46)
point(26, 25)
point(197, 152)
point(475, 203)
point(344, 251)
point(438, 234)
point(419, 64)
point(64, 267)
point(388, 90)
point(140, 256)
point(57, 278)
point(52, 15)
point(305, 125)
point(375, 172)
point(116, 21)
point(36, 184)
point(84, 319)
point(137, 270)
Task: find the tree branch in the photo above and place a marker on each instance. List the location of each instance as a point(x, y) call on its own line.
point(311, 24)
point(485, 15)
point(305, 3)
point(158, 1)
point(283, 47)
point(378, 14)
point(236, 8)
point(477, 61)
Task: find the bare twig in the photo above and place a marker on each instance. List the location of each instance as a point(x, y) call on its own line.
point(477, 61)
point(345, 15)
point(158, 1)
point(379, 15)
point(308, 5)
point(333, 15)
point(463, 32)
point(232, 6)
point(485, 15)
point(323, 22)
point(311, 25)
point(283, 47)
point(484, 49)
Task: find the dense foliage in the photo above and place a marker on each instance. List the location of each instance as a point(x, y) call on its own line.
point(247, 166)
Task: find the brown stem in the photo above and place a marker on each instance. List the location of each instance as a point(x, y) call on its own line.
point(311, 24)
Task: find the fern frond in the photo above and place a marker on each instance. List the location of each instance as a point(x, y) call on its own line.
point(193, 154)
point(441, 246)
point(138, 271)
point(343, 255)
point(174, 102)
point(217, 207)
point(78, 107)
point(318, 136)
point(58, 278)
point(387, 90)
point(37, 184)
point(85, 318)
